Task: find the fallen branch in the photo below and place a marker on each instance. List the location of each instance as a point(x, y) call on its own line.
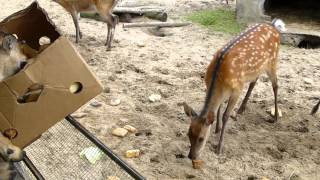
point(138, 10)
point(126, 12)
point(154, 24)
point(148, 11)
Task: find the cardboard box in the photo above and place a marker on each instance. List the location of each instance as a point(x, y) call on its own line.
point(57, 81)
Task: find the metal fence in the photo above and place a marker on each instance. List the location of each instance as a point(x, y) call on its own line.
point(56, 155)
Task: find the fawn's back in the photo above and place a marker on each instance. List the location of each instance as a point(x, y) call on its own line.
point(253, 53)
point(86, 5)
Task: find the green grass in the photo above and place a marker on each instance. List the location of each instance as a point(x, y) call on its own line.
point(223, 20)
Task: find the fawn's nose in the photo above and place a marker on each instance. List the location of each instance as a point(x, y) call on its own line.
point(190, 156)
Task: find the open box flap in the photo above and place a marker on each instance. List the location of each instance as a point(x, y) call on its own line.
point(22, 23)
point(55, 70)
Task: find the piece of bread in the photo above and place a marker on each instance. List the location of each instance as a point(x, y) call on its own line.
point(197, 164)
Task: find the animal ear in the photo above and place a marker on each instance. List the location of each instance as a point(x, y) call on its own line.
point(188, 110)
point(8, 42)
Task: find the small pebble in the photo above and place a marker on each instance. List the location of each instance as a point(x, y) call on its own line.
point(308, 81)
point(190, 176)
point(155, 159)
point(95, 104)
point(124, 119)
point(154, 98)
point(180, 156)
point(112, 78)
point(130, 128)
point(141, 44)
point(79, 115)
point(115, 102)
point(120, 132)
point(106, 90)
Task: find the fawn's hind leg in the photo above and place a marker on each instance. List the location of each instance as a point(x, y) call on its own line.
point(231, 103)
point(315, 108)
point(246, 98)
point(273, 77)
point(111, 27)
point(74, 15)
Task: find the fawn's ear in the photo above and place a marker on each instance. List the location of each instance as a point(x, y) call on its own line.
point(9, 42)
point(189, 111)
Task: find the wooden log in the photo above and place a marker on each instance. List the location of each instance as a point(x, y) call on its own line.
point(161, 16)
point(151, 12)
point(155, 24)
point(138, 10)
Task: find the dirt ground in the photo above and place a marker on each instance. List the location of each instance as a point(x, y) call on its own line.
point(141, 64)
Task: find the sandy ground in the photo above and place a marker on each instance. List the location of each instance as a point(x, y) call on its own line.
point(141, 64)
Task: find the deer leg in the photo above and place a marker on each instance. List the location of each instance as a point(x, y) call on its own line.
point(108, 37)
point(74, 15)
point(315, 108)
point(274, 81)
point(246, 98)
point(231, 104)
point(115, 20)
point(80, 33)
point(111, 26)
point(218, 123)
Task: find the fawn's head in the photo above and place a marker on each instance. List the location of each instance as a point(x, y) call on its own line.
point(198, 132)
point(8, 151)
point(11, 57)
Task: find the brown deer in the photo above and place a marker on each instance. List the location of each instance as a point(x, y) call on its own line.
point(103, 7)
point(11, 57)
point(315, 108)
point(242, 60)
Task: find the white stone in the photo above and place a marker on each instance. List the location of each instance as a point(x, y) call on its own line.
point(155, 97)
point(141, 44)
point(115, 102)
point(308, 80)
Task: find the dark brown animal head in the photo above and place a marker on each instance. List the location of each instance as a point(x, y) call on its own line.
point(198, 132)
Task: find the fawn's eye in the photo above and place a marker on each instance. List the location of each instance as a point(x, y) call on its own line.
point(200, 140)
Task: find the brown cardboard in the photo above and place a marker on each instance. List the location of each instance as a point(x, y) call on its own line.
point(50, 75)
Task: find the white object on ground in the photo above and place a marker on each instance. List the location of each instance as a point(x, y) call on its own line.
point(92, 154)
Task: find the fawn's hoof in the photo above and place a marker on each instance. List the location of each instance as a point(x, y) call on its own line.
point(241, 110)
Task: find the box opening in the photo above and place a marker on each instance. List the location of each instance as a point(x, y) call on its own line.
point(75, 87)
